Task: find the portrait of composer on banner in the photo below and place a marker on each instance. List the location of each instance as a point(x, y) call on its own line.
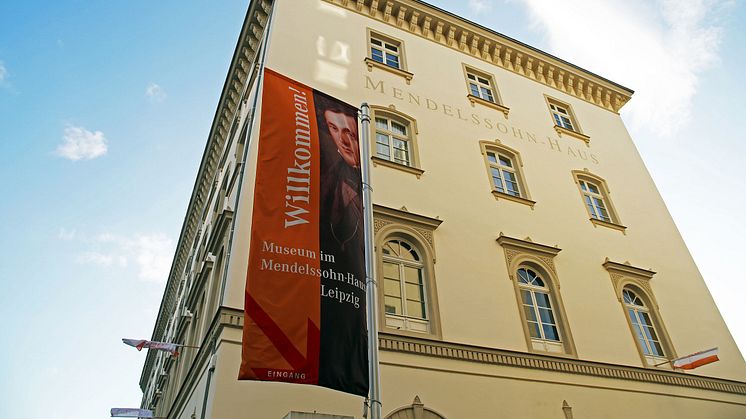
point(342, 241)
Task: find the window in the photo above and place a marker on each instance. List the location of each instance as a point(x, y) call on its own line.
point(642, 325)
point(564, 119)
point(405, 270)
point(634, 291)
point(532, 271)
point(480, 86)
point(403, 286)
point(594, 200)
point(482, 89)
point(595, 195)
point(504, 169)
point(395, 144)
point(537, 306)
point(392, 141)
point(387, 53)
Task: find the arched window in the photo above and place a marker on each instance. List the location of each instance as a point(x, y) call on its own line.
point(643, 326)
point(405, 272)
point(537, 306)
point(537, 290)
point(405, 300)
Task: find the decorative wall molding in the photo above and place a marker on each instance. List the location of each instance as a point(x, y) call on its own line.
point(460, 352)
point(459, 34)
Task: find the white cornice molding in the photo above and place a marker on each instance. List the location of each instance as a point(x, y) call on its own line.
point(426, 21)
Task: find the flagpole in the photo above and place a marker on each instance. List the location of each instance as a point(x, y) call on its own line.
point(371, 286)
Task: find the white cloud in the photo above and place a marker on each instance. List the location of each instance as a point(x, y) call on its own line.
point(659, 49)
point(3, 72)
point(80, 144)
point(101, 259)
point(478, 7)
point(151, 254)
point(65, 234)
point(155, 93)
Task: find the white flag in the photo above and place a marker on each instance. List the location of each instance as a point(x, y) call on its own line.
point(125, 412)
point(161, 346)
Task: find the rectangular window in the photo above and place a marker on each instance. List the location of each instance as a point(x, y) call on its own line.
point(480, 86)
point(392, 141)
point(386, 51)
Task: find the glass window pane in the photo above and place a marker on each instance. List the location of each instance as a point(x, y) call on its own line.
point(530, 313)
point(375, 41)
point(391, 47)
point(413, 276)
point(486, 93)
point(471, 76)
point(546, 316)
point(391, 270)
point(491, 157)
point(506, 161)
point(523, 276)
point(414, 292)
point(593, 188)
point(526, 297)
point(392, 287)
point(382, 151)
point(392, 60)
point(393, 305)
point(533, 329)
point(557, 120)
point(398, 128)
point(376, 54)
point(542, 300)
point(474, 89)
point(382, 123)
point(415, 309)
point(550, 332)
point(657, 349)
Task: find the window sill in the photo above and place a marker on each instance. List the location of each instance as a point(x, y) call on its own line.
point(562, 130)
point(476, 99)
point(613, 226)
point(501, 195)
point(399, 72)
point(388, 163)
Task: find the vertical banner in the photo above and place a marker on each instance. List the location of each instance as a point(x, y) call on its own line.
point(305, 285)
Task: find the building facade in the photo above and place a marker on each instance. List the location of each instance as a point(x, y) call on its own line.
point(527, 266)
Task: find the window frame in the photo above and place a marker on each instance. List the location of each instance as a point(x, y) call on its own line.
point(499, 149)
point(371, 63)
point(581, 177)
point(540, 259)
point(418, 232)
point(638, 280)
point(576, 131)
point(391, 114)
point(496, 103)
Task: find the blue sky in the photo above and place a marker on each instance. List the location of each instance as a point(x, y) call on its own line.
point(105, 108)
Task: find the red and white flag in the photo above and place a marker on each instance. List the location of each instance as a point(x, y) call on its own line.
point(160, 346)
point(696, 359)
point(125, 412)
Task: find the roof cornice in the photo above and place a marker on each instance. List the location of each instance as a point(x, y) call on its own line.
point(240, 71)
point(447, 29)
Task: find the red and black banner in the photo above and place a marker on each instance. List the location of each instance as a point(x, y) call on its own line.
point(305, 285)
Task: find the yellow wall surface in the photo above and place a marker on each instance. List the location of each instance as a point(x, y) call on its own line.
point(324, 46)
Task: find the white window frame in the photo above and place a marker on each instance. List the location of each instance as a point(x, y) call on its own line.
point(387, 47)
point(392, 137)
point(405, 319)
point(635, 316)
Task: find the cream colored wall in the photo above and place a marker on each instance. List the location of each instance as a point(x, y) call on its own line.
point(313, 41)
point(324, 46)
